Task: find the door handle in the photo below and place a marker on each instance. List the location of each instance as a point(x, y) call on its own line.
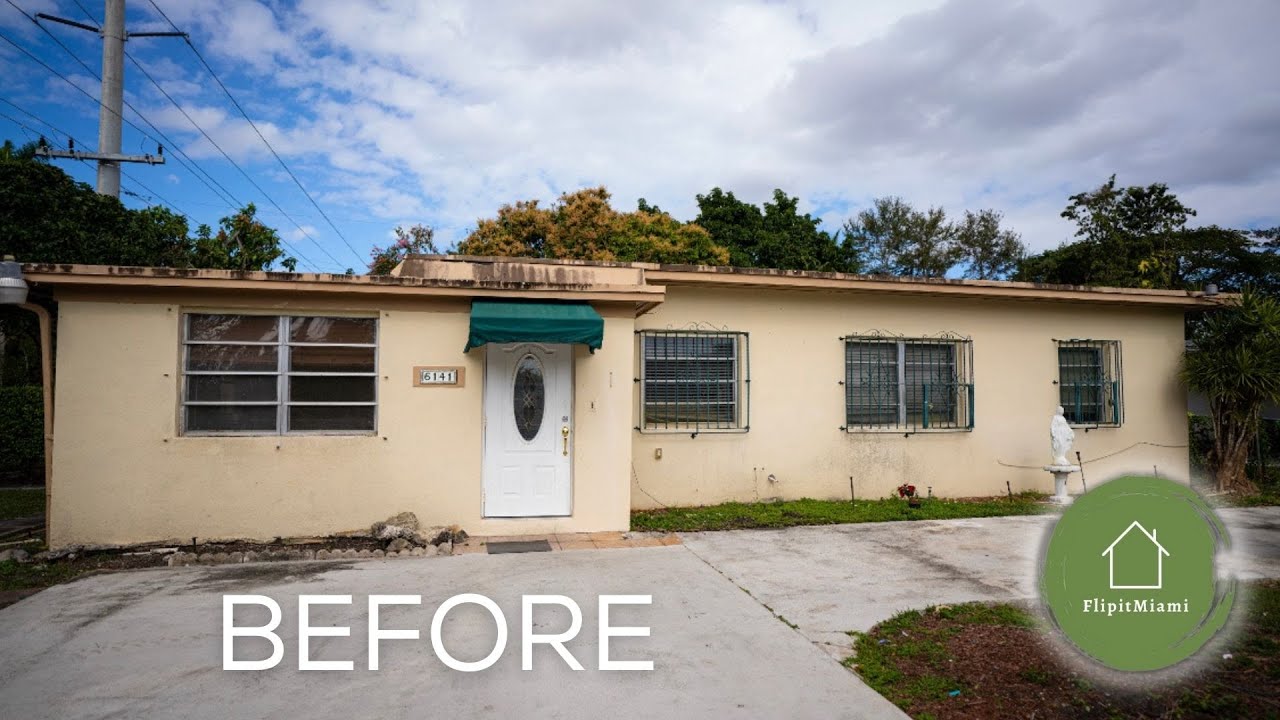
point(564, 434)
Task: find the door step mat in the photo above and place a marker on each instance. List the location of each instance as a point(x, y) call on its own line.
point(520, 546)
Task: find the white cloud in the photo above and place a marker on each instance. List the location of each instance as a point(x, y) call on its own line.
point(300, 233)
point(442, 111)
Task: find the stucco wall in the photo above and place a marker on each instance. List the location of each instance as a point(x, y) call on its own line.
point(797, 405)
point(122, 474)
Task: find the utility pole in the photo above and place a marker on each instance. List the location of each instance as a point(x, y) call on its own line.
point(111, 105)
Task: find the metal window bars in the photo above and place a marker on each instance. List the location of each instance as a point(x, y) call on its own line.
point(694, 381)
point(1090, 386)
point(908, 384)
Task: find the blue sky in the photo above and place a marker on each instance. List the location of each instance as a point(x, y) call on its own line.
point(438, 112)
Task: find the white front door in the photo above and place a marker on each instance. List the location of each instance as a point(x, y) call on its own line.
point(528, 424)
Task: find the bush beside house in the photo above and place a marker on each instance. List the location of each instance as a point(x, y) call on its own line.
point(21, 435)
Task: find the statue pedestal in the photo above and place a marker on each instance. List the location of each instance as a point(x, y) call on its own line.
point(1060, 475)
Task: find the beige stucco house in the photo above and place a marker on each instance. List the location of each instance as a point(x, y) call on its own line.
point(526, 396)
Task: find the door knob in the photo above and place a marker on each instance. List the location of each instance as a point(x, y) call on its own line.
point(564, 434)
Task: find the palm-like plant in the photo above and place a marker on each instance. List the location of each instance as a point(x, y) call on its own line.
point(1235, 362)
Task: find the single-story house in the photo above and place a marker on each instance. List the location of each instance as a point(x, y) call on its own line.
point(515, 396)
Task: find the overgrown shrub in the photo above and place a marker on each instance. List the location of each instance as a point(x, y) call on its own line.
point(1265, 448)
point(22, 430)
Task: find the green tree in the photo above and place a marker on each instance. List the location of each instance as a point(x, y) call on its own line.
point(893, 238)
point(777, 236)
point(987, 251)
point(242, 243)
point(655, 236)
point(1235, 362)
point(46, 216)
point(26, 151)
point(734, 225)
point(1193, 257)
point(1230, 259)
point(1127, 237)
point(417, 240)
point(583, 225)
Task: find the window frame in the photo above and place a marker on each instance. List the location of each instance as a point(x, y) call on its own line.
point(1111, 370)
point(963, 416)
point(741, 382)
point(282, 373)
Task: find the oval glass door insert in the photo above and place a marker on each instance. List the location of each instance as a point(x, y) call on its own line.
point(529, 397)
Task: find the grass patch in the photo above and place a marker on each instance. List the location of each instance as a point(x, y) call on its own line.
point(23, 576)
point(1264, 498)
point(787, 513)
point(906, 658)
point(21, 502)
point(996, 660)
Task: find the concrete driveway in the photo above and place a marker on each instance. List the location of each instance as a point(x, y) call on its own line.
point(148, 644)
point(830, 579)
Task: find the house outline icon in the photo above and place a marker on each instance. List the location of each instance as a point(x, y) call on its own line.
point(1160, 556)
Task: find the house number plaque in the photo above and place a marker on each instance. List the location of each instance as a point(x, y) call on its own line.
point(439, 376)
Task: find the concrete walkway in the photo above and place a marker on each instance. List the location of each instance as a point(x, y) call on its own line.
point(148, 644)
point(835, 578)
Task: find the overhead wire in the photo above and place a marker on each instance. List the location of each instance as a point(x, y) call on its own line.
point(58, 131)
point(228, 195)
point(261, 136)
point(220, 190)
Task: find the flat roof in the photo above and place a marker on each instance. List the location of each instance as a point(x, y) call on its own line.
point(643, 283)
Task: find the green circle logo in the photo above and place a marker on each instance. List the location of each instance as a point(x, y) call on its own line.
point(1129, 577)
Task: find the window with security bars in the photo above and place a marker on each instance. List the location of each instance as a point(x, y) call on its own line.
point(908, 384)
point(1089, 381)
point(692, 380)
point(270, 375)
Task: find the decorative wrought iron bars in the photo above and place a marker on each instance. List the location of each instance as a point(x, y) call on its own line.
point(908, 384)
point(694, 381)
point(1090, 387)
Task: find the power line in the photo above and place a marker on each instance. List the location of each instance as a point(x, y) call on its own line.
point(157, 195)
point(39, 134)
point(20, 124)
point(58, 131)
point(228, 197)
point(171, 143)
point(225, 155)
point(220, 190)
point(262, 137)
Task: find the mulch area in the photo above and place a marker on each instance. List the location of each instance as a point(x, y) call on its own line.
point(1008, 671)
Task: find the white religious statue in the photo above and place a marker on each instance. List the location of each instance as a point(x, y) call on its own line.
point(1062, 436)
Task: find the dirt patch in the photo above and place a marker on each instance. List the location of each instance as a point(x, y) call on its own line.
point(242, 578)
point(18, 580)
point(999, 661)
point(330, 543)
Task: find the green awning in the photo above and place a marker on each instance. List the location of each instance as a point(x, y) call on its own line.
point(504, 322)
